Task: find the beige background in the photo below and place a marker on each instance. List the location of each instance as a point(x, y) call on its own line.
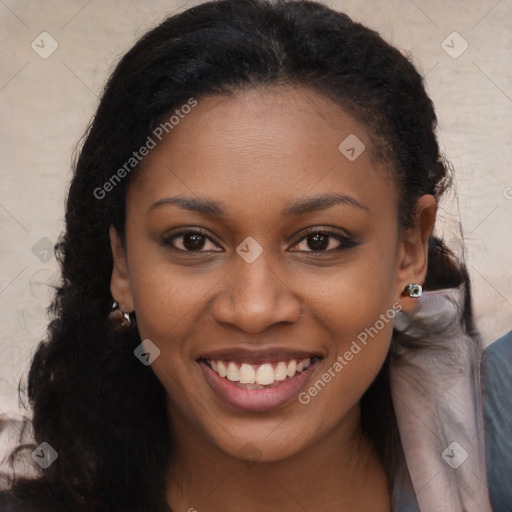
point(45, 105)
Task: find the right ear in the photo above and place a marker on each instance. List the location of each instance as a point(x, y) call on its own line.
point(120, 286)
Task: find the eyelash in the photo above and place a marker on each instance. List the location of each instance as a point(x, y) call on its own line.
point(346, 242)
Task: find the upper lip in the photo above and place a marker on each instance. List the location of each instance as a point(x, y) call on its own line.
point(258, 356)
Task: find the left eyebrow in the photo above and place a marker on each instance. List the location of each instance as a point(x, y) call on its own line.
point(321, 202)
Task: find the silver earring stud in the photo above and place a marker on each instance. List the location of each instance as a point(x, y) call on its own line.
point(413, 290)
point(127, 321)
point(120, 317)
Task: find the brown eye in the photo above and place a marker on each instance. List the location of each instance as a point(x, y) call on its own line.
point(324, 241)
point(318, 241)
point(190, 241)
point(193, 241)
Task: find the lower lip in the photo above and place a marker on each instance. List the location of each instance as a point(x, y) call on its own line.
point(257, 400)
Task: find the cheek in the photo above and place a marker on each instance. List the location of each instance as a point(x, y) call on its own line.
point(359, 316)
point(349, 298)
point(170, 308)
point(357, 306)
point(361, 329)
point(337, 389)
point(168, 299)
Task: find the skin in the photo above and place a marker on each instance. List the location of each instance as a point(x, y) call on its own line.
point(257, 152)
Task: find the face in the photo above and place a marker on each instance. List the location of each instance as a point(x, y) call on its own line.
point(266, 264)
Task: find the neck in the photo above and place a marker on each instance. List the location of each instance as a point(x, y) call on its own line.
point(336, 473)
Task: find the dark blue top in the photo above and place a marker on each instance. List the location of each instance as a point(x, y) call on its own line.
point(496, 372)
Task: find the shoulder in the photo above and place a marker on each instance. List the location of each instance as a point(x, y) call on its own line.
point(496, 377)
point(496, 382)
point(498, 355)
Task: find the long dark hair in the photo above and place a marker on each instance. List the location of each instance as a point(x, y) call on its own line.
point(93, 402)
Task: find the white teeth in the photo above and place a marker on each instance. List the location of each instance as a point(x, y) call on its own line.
point(265, 375)
point(292, 368)
point(281, 371)
point(262, 374)
point(232, 373)
point(221, 369)
point(247, 374)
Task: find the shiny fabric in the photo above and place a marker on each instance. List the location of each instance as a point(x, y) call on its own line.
point(437, 402)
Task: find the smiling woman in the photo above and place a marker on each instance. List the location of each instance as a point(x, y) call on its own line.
point(273, 246)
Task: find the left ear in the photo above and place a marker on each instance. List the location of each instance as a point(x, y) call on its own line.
point(413, 251)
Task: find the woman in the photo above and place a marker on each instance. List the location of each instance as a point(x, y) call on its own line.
point(241, 321)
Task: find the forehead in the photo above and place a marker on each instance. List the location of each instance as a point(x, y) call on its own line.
point(264, 147)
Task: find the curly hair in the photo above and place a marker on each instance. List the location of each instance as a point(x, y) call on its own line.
point(92, 400)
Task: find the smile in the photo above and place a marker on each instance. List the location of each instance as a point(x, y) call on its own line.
point(257, 386)
point(250, 376)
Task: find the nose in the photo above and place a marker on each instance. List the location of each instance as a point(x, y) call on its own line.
point(254, 296)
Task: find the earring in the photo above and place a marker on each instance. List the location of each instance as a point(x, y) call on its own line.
point(127, 321)
point(414, 290)
point(120, 317)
